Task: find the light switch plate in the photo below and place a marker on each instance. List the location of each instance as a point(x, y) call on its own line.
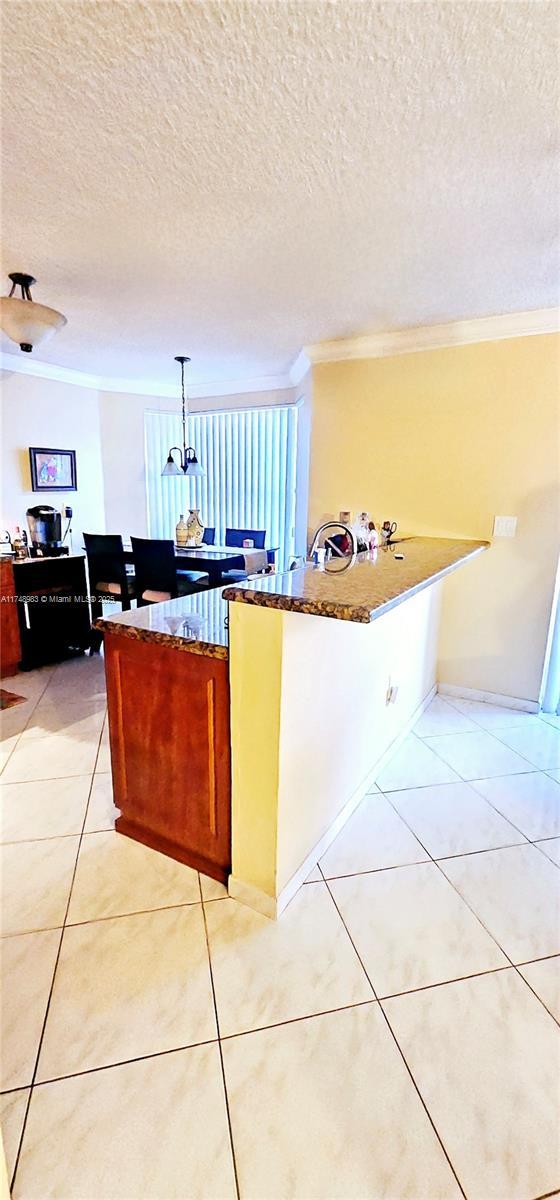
point(505, 527)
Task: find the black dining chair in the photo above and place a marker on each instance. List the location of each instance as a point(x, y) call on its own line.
point(108, 579)
point(236, 537)
point(200, 578)
point(156, 574)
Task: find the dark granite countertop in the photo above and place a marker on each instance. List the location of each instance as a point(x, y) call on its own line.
point(364, 590)
point(194, 623)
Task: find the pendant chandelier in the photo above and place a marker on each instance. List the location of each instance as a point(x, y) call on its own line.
point(188, 462)
point(24, 321)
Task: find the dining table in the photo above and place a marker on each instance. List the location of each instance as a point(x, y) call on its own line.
point(214, 560)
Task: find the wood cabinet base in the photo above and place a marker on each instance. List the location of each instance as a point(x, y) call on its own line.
point(170, 750)
point(172, 849)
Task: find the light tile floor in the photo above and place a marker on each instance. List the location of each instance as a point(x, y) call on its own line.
point(393, 1037)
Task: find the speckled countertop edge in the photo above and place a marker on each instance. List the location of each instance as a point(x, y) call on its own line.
point(359, 613)
point(205, 649)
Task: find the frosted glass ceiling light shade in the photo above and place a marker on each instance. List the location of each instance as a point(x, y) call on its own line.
point(171, 467)
point(192, 466)
point(189, 464)
point(24, 321)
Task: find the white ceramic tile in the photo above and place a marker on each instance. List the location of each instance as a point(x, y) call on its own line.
point(12, 1116)
point(128, 987)
point(52, 757)
point(477, 755)
point(28, 965)
point(554, 775)
point(531, 802)
point(103, 764)
point(486, 1058)
point(492, 716)
point(451, 818)
point(374, 837)
point(118, 875)
point(326, 1108)
point(540, 744)
point(314, 876)
point(440, 717)
point(43, 809)
point(544, 978)
point(36, 880)
point(83, 678)
point(270, 971)
point(101, 813)
point(212, 889)
point(516, 893)
point(411, 929)
point(414, 765)
point(550, 719)
point(14, 720)
point(551, 847)
point(30, 683)
point(7, 747)
point(155, 1129)
point(82, 720)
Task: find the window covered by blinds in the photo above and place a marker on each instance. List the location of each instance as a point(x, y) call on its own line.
point(250, 483)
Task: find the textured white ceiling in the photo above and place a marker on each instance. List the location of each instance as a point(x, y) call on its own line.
point(233, 180)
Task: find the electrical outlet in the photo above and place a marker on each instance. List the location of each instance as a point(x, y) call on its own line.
point(505, 527)
point(392, 693)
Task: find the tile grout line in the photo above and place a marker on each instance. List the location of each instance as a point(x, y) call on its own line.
point(495, 735)
point(55, 968)
point(22, 731)
point(480, 921)
point(397, 1044)
point(220, 1051)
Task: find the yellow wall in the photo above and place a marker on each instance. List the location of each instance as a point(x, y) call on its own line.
point(441, 441)
point(309, 722)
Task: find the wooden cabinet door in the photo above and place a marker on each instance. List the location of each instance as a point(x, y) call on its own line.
point(170, 751)
point(10, 647)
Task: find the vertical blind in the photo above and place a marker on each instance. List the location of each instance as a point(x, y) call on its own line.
point(249, 457)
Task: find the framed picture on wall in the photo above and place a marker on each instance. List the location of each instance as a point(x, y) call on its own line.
point(52, 470)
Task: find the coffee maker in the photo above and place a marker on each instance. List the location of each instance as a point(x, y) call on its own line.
point(45, 531)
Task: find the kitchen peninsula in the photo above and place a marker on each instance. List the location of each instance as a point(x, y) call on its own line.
point(243, 751)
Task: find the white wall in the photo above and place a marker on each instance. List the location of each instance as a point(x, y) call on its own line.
point(122, 445)
point(41, 412)
point(319, 687)
point(107, 431)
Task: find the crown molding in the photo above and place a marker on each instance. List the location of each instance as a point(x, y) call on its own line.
point(136, 387)
point(437, 337)
point(299, 368)
point(374, 345)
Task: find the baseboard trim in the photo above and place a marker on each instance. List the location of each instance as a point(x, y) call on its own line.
point(271, 906)
point(465, 693)
point(253, 897)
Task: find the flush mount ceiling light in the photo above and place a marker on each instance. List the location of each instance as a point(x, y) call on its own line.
point(188, 464)
point(24, 321)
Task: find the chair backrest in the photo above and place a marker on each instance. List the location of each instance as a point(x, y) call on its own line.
point(236, 537)
point(106, 561)
point(154, 566)
point(209, 536)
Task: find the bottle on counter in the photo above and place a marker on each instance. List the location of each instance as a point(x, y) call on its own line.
point(19, 545)
point(373, 536)
point(361, 529)
point(181, 532)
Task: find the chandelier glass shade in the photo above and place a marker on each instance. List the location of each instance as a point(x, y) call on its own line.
point(188, 463)
point(24, 321)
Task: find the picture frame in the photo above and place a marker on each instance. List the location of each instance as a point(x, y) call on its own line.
point(52, 470)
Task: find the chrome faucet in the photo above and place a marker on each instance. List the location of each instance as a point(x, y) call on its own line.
point(334, 525)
